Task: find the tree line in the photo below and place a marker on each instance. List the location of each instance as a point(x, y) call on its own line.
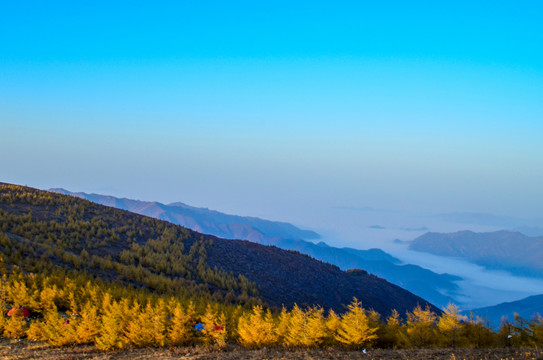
point(68, 309)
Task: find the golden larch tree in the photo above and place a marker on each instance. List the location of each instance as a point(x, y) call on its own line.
point(180, 329)
point(315, 333)
point(296, 327)
point(147, 326)
point(476, 333)
point(58, 331)
point(355, 330)
point(15, 325)
point(450, 326)
point(88, 326)
point(332, 324)
point(421, 327)
point(257, 329)
point(214, 327)
point(394, 332)
point(112, 326)
point(282, 326)
point(35, 331)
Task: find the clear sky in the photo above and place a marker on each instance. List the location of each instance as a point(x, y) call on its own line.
point(273, 108)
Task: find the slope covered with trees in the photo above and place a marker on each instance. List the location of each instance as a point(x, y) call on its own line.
point(69, 309)
point(88, 274)
point(421, 282)
point(45, 230)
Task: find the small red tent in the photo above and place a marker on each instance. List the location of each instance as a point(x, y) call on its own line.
point(21, 310)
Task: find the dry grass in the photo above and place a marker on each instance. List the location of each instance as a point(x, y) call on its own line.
point(24, 350)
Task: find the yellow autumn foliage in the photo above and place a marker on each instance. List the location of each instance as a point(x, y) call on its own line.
point(180, 330)
point(421, 325)
point(355, 330)
point(112, 326)
point(257, 329)
point(89, 325)
point(147, 326)
point(450, 325)
point(15, 326)
point(214, 327)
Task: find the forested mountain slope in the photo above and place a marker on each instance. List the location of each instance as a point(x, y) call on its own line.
point(43, 230)
point(422, 282)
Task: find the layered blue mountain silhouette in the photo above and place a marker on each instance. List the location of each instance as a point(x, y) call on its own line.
point(527, 308)
point(503, 250)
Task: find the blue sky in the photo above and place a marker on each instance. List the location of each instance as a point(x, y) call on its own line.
point(276, 108)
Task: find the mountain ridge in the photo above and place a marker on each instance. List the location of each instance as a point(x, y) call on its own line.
point(504, 250)
point(436, 288)
point(526, 308)
point(210, 221)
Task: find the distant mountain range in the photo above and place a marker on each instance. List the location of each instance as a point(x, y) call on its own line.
point(504, 250)
point(422, 282)
point(204, 220)
point(526, 308)
point(56, 231)
point(529, 227)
